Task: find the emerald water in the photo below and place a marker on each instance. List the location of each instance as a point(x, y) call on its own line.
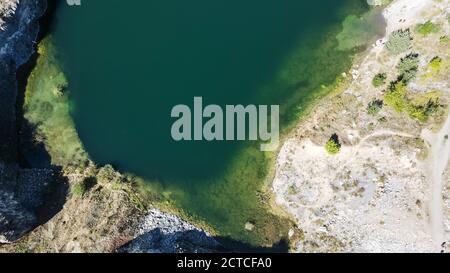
point(129, 62)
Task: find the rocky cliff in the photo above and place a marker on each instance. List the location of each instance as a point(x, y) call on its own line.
point(21, 190)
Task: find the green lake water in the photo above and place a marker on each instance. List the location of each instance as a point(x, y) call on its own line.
point(129, 62)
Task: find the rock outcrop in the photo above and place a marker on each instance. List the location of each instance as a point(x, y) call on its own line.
point(160, 232)
point(21, 190)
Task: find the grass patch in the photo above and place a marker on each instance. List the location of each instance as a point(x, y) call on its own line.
point(427, 28)
point(444, 39)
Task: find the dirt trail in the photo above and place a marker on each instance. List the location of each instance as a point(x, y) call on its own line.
point(437, 162)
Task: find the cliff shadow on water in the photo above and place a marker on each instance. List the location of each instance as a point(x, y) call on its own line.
point(32, 154)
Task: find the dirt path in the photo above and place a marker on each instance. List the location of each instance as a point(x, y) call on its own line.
point(363, 141)
point(438, 160)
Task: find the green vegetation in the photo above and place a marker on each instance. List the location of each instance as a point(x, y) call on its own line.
point(379, 79)
point(47, 108)
point(435, 64)
point(427, 28)
point(81, 188)
point(399, 41)
point(408, 67)
point(395, 97)
point(374, 107)
point(444, 39)
point(333, 146)
point(420, 107)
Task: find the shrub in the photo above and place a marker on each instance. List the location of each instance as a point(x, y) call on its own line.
point(333, 146)
point(408, 67)
point(374, 107)
point(444, 39)
point(399, 41)
point(379, 79)
point(424, 106)
point(420, 108)
point(427, 28)
point(436, 63)
point(395, 97)
point(81, 188)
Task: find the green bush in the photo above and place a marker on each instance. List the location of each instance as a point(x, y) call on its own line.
point(420, 108)
point(374, 107)
point(444, 39)
point(81, 188)
point(395, 97)
point(379, 79)
point(399, 41)
point(436, 63)
point(425, 105)
point(333, 146)
point(408, 67)
point(427, 28)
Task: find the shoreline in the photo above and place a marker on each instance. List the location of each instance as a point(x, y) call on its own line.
point(304, 195)
point(263, 189)
point(340, 85)
point(126, 192)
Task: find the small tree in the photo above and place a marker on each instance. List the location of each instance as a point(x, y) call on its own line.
point(408, 67)
point(333, 146)
point(379, 79)
point(399, 41)
point(374, 107)
point(395, 96)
